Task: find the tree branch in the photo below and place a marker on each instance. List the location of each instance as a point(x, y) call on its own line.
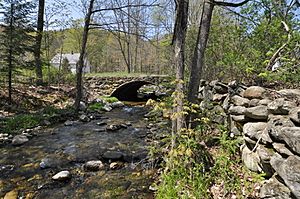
point(125, 6)
point(220, 3)
point(276, 54)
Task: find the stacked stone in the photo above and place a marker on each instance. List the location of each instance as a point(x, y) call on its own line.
point(271, 130)
point(269, 122)
point(106, 85)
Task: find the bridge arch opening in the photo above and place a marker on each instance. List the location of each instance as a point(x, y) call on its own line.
point(134, 91)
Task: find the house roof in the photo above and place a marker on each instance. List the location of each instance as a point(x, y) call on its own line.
point(72, 58)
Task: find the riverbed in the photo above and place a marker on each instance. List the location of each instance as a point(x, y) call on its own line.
point(26, 171)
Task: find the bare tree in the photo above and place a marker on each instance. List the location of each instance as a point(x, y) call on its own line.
point(38, 42)
point(199, 52)
point(179, 45)
point(80, 63)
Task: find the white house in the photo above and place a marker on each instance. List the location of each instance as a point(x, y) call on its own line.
point(73, 58)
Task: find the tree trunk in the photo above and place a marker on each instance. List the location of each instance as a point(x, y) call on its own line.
point(10, 54)
point(199, 53)
point(37, 51)
point(80, 63)
point(179, 43)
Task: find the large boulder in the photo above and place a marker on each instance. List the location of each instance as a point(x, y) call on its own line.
point(239, 118)
point(254, 102)
point(294, 114)
point(264, 102)
point(265, 155)
point(290, 93)
point(281, 106)
point(257, 131)
point(250, 159)
point(273, 189)
point(240, 101)
point(257, 113)
point(237, 110)
point(291, 136)
point(281, 149)
point(289, 170)
point(255, 92)
point(275, 124)
point(254, 130)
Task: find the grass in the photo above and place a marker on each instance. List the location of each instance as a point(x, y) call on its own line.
point(12, 125)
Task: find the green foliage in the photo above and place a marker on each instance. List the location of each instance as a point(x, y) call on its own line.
point(97, 106)
point(109, 99)
point(186, 173)
point(13, 124)
point(17, 122)
point(54, 75)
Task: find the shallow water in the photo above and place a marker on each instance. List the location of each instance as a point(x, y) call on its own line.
point(68, 148)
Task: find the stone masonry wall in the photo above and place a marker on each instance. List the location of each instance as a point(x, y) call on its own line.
point(269, 123)
point(106, 85)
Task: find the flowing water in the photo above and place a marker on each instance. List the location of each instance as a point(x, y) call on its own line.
point(69, 148)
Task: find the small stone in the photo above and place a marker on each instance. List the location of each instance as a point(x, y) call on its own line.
point(62, 176)
point(107, 108)
point(11, 195)
point(117, 104)
point(254, 92)
point(84, 118)
point(113, 127)
point(19, 140)
point(239, 118)
point(101, 123)
point(219, 97)
point(46, 123)
point(99, 130)
point(112, 155)
point(115, 165)
point(69, 123)
point(93, 165)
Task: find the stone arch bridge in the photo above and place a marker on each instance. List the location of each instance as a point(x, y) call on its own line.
point(121, 86)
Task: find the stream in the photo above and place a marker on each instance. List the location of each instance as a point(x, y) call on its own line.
point(120, 139)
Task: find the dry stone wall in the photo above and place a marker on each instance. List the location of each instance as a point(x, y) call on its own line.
point(269, 122)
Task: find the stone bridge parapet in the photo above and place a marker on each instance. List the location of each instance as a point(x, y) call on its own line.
point(106, 85)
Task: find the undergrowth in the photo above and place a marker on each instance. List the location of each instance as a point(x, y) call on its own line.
point(191, 169)
point(12, 125)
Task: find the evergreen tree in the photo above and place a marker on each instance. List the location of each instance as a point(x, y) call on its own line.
point(15, 39)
